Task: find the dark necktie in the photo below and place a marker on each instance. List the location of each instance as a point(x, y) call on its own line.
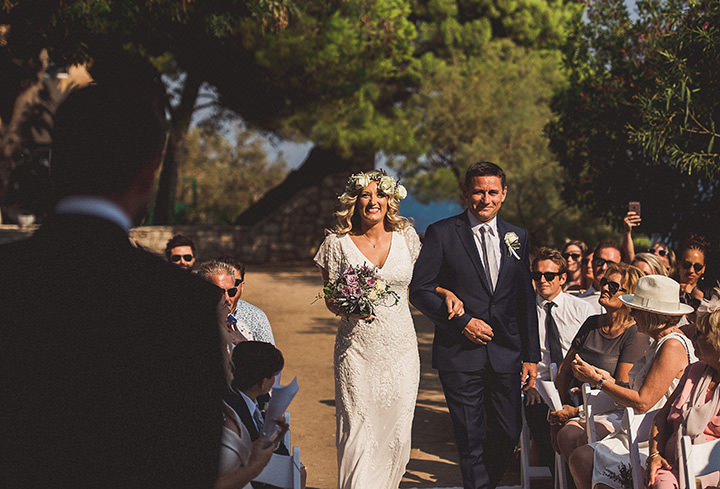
point(556, 354)
point(486, 259)
point(259, 421)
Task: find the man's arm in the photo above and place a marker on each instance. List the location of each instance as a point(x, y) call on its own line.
point(428, 269)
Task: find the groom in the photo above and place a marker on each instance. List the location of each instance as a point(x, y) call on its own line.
point(484, 355)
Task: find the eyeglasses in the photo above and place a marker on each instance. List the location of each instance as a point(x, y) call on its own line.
point(231, 292)
point(549, 276)
point(238, 281)
point(613, 287)
point(601, 262)
point(658, 251)
point(574, 256)
point(177, 258)
point(696, 266)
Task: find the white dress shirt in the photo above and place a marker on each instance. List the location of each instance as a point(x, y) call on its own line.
point(591, 296)
point(95, 207)
point(254, 411)
point(569, 313)
point(492, 241)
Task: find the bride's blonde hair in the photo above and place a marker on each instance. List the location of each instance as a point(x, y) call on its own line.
point(346, 217)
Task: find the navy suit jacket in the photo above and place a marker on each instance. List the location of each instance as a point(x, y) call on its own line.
point(449, 258)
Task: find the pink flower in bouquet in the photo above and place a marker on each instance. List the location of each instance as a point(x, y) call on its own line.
point(352, 279)
point(370, 281)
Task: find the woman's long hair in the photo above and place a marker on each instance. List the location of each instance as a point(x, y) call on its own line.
point(347, 220)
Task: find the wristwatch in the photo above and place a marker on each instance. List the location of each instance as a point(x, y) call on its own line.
point(599, 384)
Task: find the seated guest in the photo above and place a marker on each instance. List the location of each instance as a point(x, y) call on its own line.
point(559, 318)
point(610, 342)
point(694, 408)
point(606, 253)
point(666, 256)
point(690, 269)
point(255, 366)
point(180, 251)
point(650, 264)
point(241, 458)
point(222, 275)
point(657, 311)
point(252, 316)
point(573, 253)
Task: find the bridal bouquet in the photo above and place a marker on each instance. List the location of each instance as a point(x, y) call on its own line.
point(358, 290)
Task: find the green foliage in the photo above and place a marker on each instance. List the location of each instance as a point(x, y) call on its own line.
point(680, 119)
point(230, 176)
point(617, 75)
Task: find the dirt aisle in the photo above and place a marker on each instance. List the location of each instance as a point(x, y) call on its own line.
point(305, 333)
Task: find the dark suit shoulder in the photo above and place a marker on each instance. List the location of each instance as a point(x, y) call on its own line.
point(449, 222)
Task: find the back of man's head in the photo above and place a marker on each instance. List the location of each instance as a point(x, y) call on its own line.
point(254, 361)
point(104, 135)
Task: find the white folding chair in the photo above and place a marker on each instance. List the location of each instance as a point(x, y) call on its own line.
point(637, 427)
point(282, 471)
point(527, 471)
point(697, 460)
point(595, 402)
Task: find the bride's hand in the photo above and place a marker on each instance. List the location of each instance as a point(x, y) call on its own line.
point(454, 305)
point(339, 311)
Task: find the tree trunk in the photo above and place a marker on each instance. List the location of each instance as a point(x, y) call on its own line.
point(320, 163)
point(179, 126)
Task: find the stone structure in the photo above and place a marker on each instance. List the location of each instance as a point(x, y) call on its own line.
point(291, 234)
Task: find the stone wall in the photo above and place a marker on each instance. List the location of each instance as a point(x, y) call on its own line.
point(291, 235)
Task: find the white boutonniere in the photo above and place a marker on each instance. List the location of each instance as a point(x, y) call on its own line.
point(513, 243)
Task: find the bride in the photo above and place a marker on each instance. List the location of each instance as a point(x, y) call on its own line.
point(377, 366)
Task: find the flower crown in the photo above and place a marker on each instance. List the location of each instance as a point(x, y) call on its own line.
point(386, 184)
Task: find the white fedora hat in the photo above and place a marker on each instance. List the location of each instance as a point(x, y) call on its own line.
point(658, 294)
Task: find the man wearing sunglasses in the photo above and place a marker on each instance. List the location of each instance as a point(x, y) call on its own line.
point(606, 253)
point(222, 275)
point(252, 316)
point(115, 378)
point(560, 316)
point(180, 251)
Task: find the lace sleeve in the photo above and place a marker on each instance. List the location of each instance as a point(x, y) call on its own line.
point(413, 242)
point(329, 256)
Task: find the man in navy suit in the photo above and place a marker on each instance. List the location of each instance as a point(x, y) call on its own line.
point(484, 355)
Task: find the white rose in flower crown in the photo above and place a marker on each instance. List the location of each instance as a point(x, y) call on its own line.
point(386, 184)
point(400, 192)
point(361, 180)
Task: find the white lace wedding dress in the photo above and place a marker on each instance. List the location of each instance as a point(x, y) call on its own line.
point(377, 370)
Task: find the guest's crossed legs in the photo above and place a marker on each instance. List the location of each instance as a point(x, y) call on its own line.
point(485, 411)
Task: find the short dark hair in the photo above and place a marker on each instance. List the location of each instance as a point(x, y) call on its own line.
point(484, 169)
point(178, 240)
point(104, 135)
point(607, 243)
point(237, 265)
point(254, 361)
point(576, 242)
point(554, 256)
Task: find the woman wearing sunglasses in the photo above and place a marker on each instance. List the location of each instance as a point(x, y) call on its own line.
point(691, 267)
point(608, 341)
point(573, 253)
point(657, 312)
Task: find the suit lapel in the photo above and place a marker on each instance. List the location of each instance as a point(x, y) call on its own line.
point(502, 229)
point(468, 241)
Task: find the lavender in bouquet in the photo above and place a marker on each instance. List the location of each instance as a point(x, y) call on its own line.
point(358, 290)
